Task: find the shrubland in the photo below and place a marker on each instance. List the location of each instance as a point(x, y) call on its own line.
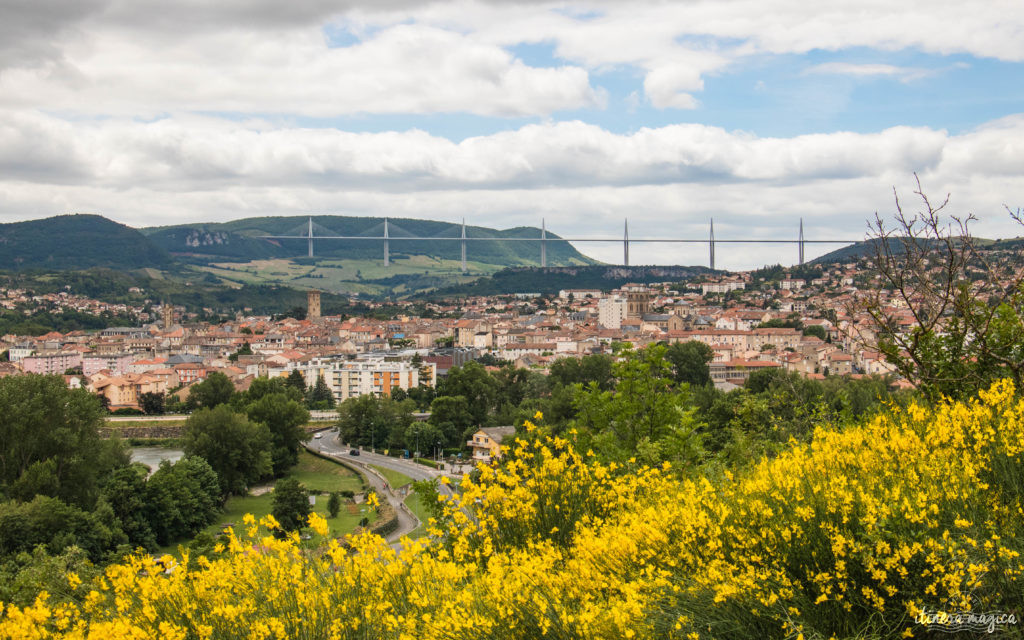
point(851, 534)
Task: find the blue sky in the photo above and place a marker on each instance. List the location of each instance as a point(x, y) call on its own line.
point(755, 112)
point(768, 95)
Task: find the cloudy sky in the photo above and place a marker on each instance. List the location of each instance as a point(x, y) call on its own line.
point(754, 112)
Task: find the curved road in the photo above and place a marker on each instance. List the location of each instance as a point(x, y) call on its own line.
point(329, 444)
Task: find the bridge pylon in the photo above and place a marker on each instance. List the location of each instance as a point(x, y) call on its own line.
point(625, 244)
point(801, 241)
point(464, 269)
point(711, 245)
point(543, 244)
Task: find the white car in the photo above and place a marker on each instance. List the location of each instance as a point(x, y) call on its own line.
point(318, 436)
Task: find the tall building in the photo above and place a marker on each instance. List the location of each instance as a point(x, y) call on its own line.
point(167, 314)
point(313, 305)
point(611, 312)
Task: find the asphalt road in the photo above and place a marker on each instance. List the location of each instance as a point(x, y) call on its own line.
point(329, 444)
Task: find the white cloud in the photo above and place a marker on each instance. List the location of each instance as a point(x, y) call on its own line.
point(704, 37)
point(904, 74)
point(206, 152)
point(402, 69)
point(582, 178)
point(263, 56)
point(104, 107)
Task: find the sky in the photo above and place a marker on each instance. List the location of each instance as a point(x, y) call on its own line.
point(756, 113)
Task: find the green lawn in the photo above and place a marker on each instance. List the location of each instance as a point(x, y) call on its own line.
point(415, 503)
point(395, 478)
point(316, 474)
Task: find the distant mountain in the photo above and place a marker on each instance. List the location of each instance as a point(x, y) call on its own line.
point(239, 241)
point(76, 242)
point(866, 248)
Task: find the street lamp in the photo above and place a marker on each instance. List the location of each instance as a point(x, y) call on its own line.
point(437, 452)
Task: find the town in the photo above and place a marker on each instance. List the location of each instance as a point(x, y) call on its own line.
point(752, 320)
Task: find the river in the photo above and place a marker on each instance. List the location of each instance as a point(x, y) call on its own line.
point(153, 456)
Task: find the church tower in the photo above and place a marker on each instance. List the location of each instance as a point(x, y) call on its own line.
point(313, 306)
point(167, 315)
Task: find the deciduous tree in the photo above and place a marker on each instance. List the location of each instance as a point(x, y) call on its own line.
point(238, 450)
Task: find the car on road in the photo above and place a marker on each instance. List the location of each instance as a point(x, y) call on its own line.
point(318, 436)
point(353, 452)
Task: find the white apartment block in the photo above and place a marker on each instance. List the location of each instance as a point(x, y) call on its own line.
point(357, 378)
point(351, 378)
point(611, 312)
point(20, 352)
point(721, 287)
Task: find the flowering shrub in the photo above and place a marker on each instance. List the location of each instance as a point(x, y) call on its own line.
point(851, 535)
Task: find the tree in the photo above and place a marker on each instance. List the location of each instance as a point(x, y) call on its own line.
point(421, 436)
point(284, 418)
point(24, 576)
point(334, 504)
point(214, 391)
point(244, 350)
point(297, 381)
point(50, 441)
point(689, 362)
point(368, 420)
point(817, 331)
point(453, 418)
point(477, 386)
point(182, 498)
point(57, 525)
point(238, 450)
point(966, 305)
point(152, 403)
point(290, 504)
point(125, 491)
point(320, 396)
point(267, 386)
point(593, 368)
point(646, 417)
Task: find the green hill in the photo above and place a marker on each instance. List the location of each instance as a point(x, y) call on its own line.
point(866, 248)
point(76, 242)
point(239, 241)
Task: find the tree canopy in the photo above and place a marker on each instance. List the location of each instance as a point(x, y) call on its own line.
point(238, 450)
point(50, 443)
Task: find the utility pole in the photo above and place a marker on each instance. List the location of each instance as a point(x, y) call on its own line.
point(711, 244)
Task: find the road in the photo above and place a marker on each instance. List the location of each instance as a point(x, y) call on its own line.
point(329, 444)
point(314, 416)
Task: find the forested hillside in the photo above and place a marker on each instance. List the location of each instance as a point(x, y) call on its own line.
point(76, 242)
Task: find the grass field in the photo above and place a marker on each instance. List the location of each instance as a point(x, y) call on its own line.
point(415, 503)
point(395, 478)
point(348, 276)
point(316, 474)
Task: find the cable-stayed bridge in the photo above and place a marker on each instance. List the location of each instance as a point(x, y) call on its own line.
point(386, 233)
